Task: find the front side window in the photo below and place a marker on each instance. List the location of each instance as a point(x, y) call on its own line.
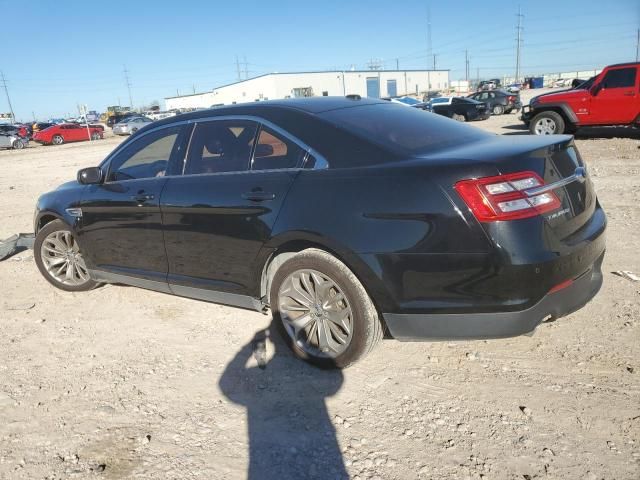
point(620, 78)
point(146, 157)
point(273, 151)
point(221, 146)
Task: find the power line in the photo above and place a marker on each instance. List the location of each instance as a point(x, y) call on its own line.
point(518, 43)
point(6, 91)
point(126, 79)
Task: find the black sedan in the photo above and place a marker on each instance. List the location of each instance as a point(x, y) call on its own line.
point(457, 108)
point(499, 101)
point(346, 218)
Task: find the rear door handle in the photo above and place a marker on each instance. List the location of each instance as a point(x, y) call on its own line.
point(142, 197)
point(258, 196)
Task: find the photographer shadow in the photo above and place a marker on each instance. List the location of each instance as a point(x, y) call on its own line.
point(290, 433)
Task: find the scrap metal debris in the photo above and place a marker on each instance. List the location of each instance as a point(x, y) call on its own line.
point(15, 244)
point(627, 274)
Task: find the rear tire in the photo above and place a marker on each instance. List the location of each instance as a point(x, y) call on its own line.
point(57, 140)
point(547, 123)
point(18, 145)
point(458, 118)
point(339, 308)
point(59, 258)
point(95, 136)
point(498, 110)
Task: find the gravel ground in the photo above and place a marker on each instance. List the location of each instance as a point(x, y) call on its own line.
point(125, 383)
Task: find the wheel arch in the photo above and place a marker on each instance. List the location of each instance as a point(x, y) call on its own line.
point(289, 248)
point(562, 109)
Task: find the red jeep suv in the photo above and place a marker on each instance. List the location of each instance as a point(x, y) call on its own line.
point(610, 98)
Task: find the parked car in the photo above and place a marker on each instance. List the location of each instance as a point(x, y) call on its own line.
point(120, 117)
point(131, 125)
point(65, 133)
point(611, 98)
point(459, 108)
point(489, 84)
point(498, 101)
point(16, 129)
point(12, 140)
point(476, 235)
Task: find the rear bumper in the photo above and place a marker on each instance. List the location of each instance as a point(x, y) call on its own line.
point(459, 326)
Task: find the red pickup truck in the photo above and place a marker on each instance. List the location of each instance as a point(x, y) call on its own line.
point(610, 98)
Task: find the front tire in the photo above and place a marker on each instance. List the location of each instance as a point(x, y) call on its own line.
point(18, 145)
point(57, 140)
point(498, 109)
point(547, 123)
point(59, 258)
point(322, 311)
point(458, 118)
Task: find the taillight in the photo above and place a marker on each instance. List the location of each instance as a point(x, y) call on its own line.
point(512, 99)
point(503, 197)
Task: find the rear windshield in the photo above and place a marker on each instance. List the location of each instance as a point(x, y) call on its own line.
point(409, 130)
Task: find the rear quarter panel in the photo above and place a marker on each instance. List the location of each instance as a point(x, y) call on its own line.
point(385, 223)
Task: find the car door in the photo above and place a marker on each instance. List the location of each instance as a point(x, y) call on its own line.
point(72, 133)
point(219, 214)
point(121, 225)
point(617, 97)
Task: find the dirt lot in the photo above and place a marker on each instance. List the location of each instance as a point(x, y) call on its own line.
point(127, 383)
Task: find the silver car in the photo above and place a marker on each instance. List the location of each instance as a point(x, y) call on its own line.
point(131, 125)
point(8, 140)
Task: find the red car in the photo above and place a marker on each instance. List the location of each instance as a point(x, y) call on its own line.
point(610, 98)
point(67, 132)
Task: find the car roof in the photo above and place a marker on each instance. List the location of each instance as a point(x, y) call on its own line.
point(312, 105)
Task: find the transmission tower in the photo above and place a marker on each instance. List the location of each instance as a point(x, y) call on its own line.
point(518, 43)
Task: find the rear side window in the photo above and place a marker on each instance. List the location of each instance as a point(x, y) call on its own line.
point(620, 78)
point(221, 146)
point(402, 129)
point(273, 151)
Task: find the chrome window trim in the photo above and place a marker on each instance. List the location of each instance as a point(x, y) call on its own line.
point(321, 161)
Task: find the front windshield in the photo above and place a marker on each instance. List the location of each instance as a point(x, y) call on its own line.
point(585, 85)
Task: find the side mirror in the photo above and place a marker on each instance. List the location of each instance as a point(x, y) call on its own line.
point(90, 176)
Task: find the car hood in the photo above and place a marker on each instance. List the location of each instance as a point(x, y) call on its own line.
point(561, 96)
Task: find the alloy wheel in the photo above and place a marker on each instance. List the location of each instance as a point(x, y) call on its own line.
point(545, 126)
point(316, 313)
point(62, 259)
point(58, 140)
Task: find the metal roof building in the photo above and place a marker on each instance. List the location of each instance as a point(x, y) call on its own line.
point(366, 83)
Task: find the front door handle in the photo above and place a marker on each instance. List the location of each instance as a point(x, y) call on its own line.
point(142, 197)
point(258, 196)
point(629, 94)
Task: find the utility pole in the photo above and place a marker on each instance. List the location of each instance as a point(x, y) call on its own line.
point(397, 64)
point(238, 68)
point(466, 65)
point(434, 61)
point(429, 46)
point(6, 91)
point(518, 44)
point(638, 46)
point(126, 79)
point(246, 68)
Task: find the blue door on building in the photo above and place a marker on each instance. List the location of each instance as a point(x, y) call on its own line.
point(392, 88)
point(373, 87)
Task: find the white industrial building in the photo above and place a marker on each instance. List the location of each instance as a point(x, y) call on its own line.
point(366, 83)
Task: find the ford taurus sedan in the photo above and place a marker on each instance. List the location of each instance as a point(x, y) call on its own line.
point(346, 218)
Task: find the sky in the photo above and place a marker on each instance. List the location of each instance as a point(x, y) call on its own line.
point(59, 54)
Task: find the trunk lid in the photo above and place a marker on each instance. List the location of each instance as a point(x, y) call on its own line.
point(553, 158)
